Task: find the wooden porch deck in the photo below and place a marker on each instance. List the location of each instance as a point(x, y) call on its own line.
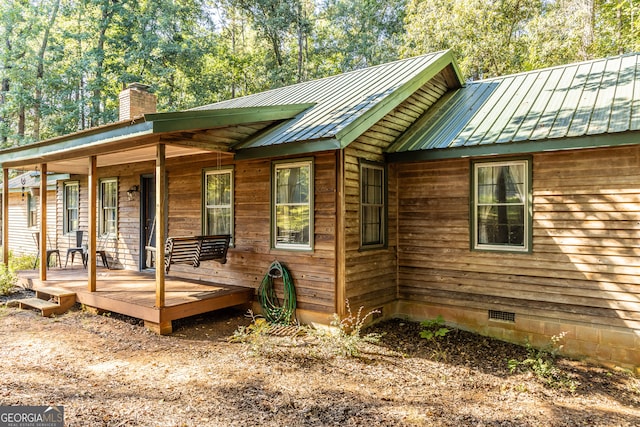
point(133, 294)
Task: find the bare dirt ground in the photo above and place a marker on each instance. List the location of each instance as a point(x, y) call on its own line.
point(110, 371)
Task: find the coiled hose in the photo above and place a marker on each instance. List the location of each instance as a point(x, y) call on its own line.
point(273, 310)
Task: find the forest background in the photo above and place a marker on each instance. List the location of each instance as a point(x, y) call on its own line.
point(63, 62)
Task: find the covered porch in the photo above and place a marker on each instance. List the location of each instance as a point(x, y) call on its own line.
point(149, 140)
point(134, 294)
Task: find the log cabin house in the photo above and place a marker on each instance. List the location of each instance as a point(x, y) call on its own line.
point(510, 206)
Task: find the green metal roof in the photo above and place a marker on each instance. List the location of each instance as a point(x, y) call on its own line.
point(345, 105)
point(148, 125)
point(578, 105)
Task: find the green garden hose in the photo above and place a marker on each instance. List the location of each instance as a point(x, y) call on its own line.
point(273, 310)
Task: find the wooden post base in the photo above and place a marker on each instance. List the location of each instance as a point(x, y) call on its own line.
point(162, 328)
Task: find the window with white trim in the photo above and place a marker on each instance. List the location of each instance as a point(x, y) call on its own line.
point(372, 205)
point(501, 218)
point(108, 206)
point(70, 206)
point(218, 201)
point(32, 210)
point(293, 205)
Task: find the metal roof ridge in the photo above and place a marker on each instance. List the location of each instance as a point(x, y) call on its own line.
point(572, 64)
point(334, 76)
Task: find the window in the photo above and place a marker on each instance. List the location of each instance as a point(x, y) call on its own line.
point(372, 206)
point(32, 210)
point(218, 202)
point(108, 206)
point(70, 207)
point(292, 207)
point(501, 216)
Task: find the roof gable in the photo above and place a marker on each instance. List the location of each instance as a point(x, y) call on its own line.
point(548, 107)
point(345, 105)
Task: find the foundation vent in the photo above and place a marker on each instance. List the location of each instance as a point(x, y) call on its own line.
point(503, 316)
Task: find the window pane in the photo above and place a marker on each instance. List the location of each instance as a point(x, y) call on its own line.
point(292, 185)
point(292, 224)
point(219, 189)
point(109, 199)
point(371, 225)
point(218, 221)
point(372, 205)
point(293, 209)
point(218, 203)
point(70, 207)
point(501, 204)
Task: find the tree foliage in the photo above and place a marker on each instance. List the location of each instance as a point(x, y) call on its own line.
point(63, 62)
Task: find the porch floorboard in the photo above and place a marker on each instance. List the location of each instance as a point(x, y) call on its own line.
point(133, 293)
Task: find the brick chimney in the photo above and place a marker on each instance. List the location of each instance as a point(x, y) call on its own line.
point(136, 100)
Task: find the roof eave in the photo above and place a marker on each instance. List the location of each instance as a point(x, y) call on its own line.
point(524, 147)
point(205, 119)
point(156, 123)
point(288, 149)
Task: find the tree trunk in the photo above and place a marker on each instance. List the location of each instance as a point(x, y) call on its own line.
point(40, 72)
point(108, 9)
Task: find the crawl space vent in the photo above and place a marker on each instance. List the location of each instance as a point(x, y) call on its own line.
point(503, 316)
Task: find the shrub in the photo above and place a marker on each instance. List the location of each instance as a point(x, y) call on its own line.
point(21, 262)
point(8, 280)
point(348, 338)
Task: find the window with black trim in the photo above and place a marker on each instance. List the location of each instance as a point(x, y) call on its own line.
point(108, 206)
point(292, 200)
point(32, 210)
point(372, 205)
point(501, 211)
point(70, 206)
point(217, 201)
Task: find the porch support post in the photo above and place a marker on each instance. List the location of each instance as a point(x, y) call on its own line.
point(43, 221)
point(93, 222)
point(5, 216)
point(160, 223)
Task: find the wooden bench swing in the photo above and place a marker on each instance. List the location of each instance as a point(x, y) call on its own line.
point(192, 250)
point(195, 249)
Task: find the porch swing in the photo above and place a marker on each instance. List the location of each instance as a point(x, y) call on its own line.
point(191, 250)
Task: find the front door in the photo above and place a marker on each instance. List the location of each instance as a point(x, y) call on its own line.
point(147, 221)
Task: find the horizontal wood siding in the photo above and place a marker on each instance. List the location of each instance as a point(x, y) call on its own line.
point(371, 274)
point(250, 257)
point(585, 264)
point(21, 240)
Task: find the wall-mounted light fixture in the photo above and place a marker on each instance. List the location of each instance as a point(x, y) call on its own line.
point(132, 191)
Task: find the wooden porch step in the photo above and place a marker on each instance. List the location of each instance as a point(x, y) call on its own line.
point(47, 308)
point(49, 300)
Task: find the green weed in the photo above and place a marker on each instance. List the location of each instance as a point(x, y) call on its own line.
point(542, 362)
point(433, 329)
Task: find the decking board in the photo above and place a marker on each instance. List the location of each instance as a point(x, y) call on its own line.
point(133, 293)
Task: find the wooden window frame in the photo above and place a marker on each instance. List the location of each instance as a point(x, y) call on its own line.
point(66, 229)
point(102, 230)
point(289, 164)
point(382, 206)
point(32, 210)
point(526, 204)
point(206, 205)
